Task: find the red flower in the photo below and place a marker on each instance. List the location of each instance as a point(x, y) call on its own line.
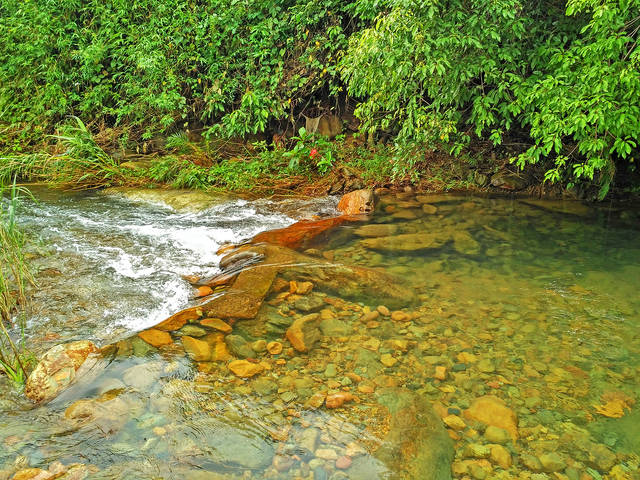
point(313, 153)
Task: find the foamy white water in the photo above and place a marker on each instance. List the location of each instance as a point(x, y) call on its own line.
point(114, 266)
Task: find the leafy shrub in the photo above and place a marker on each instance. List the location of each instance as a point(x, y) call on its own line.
point(558, 76)
point(233, 63)
point(439, 71)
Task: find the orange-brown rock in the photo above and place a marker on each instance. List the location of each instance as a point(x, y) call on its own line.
point(274, 348)
point(57, 369)
point(338, 399)
point(220, 280)
point(219, 350)
point(492, 410)
point(357, 202)
point(203, 291)
point(245, 368)
point(244, 298)
point(178, 320)
point(32, 474)
point(300, 233)
point(304, 332)
point(199, 350)
point(300, 288)
point(156, 338)
point(216, 324)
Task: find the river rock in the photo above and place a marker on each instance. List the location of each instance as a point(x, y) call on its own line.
point(155, 338)
point(376, 230)
point(226, 444)
point(349, 281)
point(417, 442)
point(178, 320)
point(492, 410)
point(57, 369)
point(109, 384)
point(500, 456)
point(309, 303)
point(336, 400)
point(332, 327)
point(407, 242)
point(308, 439)
point(198, 350)
point(464, 243)
point(219, 350)
point(304, 332)
point(107, 414)
point(244, 298)
point(143, 376)
point(274, 348)
point(192, 331)
point(369, 468)
point(454, 422)
point(245, 368)
point(239, 346)
point(300, 234)
point(216, 324)
point(552, 462)
point(357, 202)
point(496, 435)
point(264, 386)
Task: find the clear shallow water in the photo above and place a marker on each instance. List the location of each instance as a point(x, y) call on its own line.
point(536, 307)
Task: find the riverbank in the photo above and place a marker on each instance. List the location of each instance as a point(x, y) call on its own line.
point(308, 164)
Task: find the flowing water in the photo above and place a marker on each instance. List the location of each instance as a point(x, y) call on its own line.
point(520, 329)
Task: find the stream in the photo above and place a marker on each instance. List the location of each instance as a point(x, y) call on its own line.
point(444, 337)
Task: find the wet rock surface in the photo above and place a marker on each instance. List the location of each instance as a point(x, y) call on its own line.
point(57, 370)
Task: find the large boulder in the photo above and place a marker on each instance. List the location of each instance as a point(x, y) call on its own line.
point(357, 202)
point(57, 370)
point(244, 298)
point(299, 234)
point(349, 281)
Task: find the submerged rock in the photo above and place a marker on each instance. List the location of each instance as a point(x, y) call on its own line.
point(244, 298)
point(57, 370)
point(156, 338)
point(142, 376)
point(407, 242)
point(245, 368)
point(417, 442)
point(178, 320)
point(304, 332)
point(376, 230)
point(199, 350)
point(492, 410)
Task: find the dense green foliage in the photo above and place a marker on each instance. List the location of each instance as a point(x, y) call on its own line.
point(559, 79)
point(152, 64)
point(440, 71)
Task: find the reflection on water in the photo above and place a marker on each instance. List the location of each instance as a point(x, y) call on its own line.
point(523, 311)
